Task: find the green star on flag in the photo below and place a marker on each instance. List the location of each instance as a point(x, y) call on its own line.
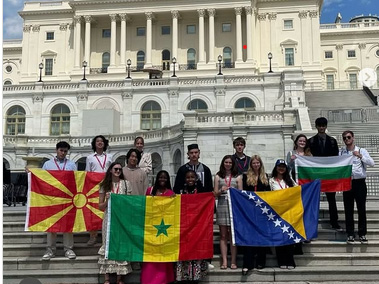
point(162, 228)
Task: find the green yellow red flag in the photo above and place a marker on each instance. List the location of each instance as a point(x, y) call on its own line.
point(160, 229)
point(63, 201)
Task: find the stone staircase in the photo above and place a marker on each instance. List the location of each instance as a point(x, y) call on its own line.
point(328, 258)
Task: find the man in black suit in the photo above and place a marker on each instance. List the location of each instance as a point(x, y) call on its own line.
point(322, 145)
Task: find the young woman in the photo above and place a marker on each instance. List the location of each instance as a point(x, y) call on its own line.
point(113, 182)
point(146, 163)
point(255, 179)
point(158, 272)
point(191, 270)
point(226, 177)
point(300, 148)
point(98, 162)
point(281, 179)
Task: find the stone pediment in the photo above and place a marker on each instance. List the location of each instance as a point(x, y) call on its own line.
point(289, 42)
point(49, 53)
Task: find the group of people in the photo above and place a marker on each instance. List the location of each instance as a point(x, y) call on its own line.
point(238, 171)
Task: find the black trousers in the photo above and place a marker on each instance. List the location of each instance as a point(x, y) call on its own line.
point(359, 193)
point(284, 255)
point(333, 214)
point(251, 253)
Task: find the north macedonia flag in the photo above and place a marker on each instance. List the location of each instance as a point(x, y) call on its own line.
point(63, 201)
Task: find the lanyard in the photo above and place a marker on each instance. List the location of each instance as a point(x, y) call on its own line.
point(277, 180)
point(228, 182)
point(105, 159)
point(117, 190)
point(64, 165)
point(244, 164)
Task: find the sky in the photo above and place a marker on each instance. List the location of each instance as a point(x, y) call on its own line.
point(12, 22)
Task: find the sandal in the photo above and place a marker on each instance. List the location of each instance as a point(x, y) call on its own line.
point(233, 266)
point(223, 267)
point(245, 271)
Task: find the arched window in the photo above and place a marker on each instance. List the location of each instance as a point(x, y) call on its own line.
point(166, 59)
point(140, 60)
point(177, 160)
point(106, 59)
point(81, 164)
point(191, 58)
point(198, 105)
point(227, 57)
point(245, 103)
point(7, 82)
point(150, 116)
point(60, 120)
point(15, 121)
point(157, 163)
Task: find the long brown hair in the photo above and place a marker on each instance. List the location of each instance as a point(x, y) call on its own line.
point(252, 178)
point(307, 149)
point(222, 172)
point(107, 181)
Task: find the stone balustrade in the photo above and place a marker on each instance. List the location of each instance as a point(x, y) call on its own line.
point(348, 25)
point(351, 115)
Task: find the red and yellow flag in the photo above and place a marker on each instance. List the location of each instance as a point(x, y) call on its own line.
point(63, 201)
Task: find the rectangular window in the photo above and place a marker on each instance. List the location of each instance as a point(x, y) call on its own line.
point(351, 53)
point(141, 31)
point(328, 54)
point(49, 66)
point(166, 30)
point(50, 36)
point(353, 81)
point(330, 82)
point(288, 24)
point(226, 27)
point(191, 29)
point(290, 57)
point(106, 33)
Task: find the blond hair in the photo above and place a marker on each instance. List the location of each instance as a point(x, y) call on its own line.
point(252, 178)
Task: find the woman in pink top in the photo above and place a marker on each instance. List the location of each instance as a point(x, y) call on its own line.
point(158, 272)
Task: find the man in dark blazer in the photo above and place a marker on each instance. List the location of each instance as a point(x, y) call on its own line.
point(322, 145)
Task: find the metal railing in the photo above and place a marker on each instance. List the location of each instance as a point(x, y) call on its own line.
point(351, 115)
point(372, 182)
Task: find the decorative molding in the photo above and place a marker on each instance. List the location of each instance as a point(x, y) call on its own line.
point(88, 19)
point(313, 14)
point(272, 16)
point(77, 19)
point(173, 93)
point(175, 14)
point(201, 12)
point(124, 17)
point(262, 17)
point(339, 46)
point(362, 45)
point(238, 10)
point(36, 28)
point(63, 27)
point(37, 98)
point(127, 95)
point(248, 10)
point(211, 12)
point(149, 16)
point(82, 97)
point(303, 14)
point(220, 92)
point(27, 28)
point(113, 17)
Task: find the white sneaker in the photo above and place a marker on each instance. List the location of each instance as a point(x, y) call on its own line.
point(211, 266)
point(70, 254)
point(48, 254)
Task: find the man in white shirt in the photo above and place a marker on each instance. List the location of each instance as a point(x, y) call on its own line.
point(60, 163)
point(358, 190)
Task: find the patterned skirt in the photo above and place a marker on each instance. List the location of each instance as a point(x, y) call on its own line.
point(194, 270)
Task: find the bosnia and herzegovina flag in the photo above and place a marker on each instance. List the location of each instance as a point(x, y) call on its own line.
point(63, 201)
point(160, 229)
point(334, 172)
point(275, 218)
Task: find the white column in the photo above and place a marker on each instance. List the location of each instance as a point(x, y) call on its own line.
point(25, 56)
point(316, 41)
point(87, 45)
point(249, 33)
point(201, 13)
point(77, 20)
point(113, 39)
point(123, 18)
point(211, 14)
point(175, 16)
point(149, 38)
point(305, 42)
point(238, 12)
point(63, 28)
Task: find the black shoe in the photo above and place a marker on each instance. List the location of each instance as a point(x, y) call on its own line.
point(350, 240)
point(245, 271)
point(337, 227)
point(363, 240)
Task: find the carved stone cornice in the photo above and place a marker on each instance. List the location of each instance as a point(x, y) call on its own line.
point(27, 28)
point(339, 46)
point(313, 14)
point(63, 27)
point(201, 12)
point(127, 95)
point(238, 10)
point(77, 19)
point(36, 28)
point(113, 17)
point(262, 17)
point(175, 14)
point(88, 19)
point(248, 10)
point(149, 16)
point(37, 98)
point(272, 16)
point(82, 97)
point(362, 45)
point(303, 14)
point(211, 12)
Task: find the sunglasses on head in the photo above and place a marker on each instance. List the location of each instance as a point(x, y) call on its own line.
point(117, 169)
point(346, 137)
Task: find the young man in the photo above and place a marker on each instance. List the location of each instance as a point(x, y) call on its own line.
point(98, 162)
point(242, 160)
point(60, 163)
point(136, 176)
point(203, 172)
point(322, 145)
point(358, 190)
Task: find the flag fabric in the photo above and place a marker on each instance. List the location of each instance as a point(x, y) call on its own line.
point(63, 201)
point(334, 172)
point(160, 229)
point(274, 218)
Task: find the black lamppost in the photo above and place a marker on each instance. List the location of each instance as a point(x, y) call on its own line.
point(174, 63)
point(40, 66)
point(219, 58)
point(84, 70)
point(269, 58)
point(128, 62)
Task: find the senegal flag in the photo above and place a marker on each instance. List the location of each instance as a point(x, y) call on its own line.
point(63, 201)
point(334, 172)
point(160, 229)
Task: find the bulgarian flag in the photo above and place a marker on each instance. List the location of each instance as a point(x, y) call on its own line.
point(63, 201)
point(160, 229)
point(334, 172)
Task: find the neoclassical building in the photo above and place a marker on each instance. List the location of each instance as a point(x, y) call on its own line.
point(176, 73)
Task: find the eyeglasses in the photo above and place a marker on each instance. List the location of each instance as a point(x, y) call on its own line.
point(347, 137)
point(117, 169)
